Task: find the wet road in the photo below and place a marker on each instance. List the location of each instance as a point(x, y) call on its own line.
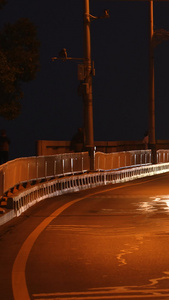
point(110, 242)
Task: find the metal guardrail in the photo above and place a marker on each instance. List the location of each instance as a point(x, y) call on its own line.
point(58, 170)
point(37, 168)
point(22, 200)
point(117, 160)
point(162, 156)
point(27, 169)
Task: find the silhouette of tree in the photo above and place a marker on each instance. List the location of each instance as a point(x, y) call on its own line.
point(2, 3)
point(19, 62)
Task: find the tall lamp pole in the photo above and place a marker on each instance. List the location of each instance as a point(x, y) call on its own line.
point(87, 95)
point(86, 81)
point(152, 141)
point(85, 73)
point(156, 38)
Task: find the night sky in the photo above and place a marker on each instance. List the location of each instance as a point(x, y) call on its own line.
point(51, 107)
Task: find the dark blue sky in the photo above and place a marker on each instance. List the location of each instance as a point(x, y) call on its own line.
point(51, 108)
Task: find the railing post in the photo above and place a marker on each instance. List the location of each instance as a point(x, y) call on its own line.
point(37, 175)
point(46, 166)
point(92, 158)
point(63, 166)
point(54, 167)
point(72, 165)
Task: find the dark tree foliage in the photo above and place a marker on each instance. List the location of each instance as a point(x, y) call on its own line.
point(9, 92)
point(2, 3)
point(19, 62)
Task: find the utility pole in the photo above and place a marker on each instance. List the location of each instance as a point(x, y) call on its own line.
point(85, 72)
point(152, 141)
point(87, 95)
point(89, 72)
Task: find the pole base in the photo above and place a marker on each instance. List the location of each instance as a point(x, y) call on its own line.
point(153, 153)
point(91, 150)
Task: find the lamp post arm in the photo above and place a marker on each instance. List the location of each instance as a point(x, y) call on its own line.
point(67, 58)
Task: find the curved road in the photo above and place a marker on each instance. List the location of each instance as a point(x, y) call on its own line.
point(110, 242)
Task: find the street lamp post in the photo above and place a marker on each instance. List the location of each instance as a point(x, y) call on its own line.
point(85, 73)
point(156, 38)
point(89, 72)
point(87, 95)
point(152, 142)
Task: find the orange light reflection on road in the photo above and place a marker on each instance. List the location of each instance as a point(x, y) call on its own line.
point(155, 205)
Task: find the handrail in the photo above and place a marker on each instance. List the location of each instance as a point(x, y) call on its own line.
point(38, 168)
point(118, 160)
point(22, 200)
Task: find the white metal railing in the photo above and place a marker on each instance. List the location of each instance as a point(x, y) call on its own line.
point(21, 201)
point(36, 168)
point(27, 169)
point(118, 160)
point(162, 156)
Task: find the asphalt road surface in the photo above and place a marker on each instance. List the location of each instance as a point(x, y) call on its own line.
point(109, 242)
